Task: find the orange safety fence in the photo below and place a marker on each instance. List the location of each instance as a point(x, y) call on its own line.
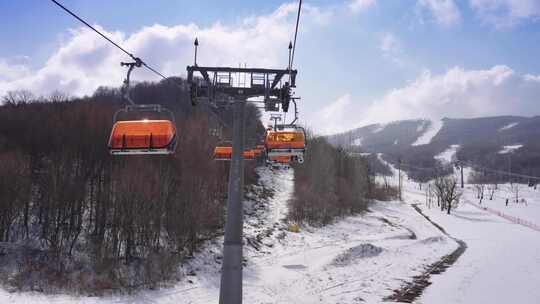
point(513, 219)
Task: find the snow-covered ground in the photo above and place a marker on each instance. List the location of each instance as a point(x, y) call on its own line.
point(500, 264)
point(527, 208)
point(378, 128)
point(427, 136)
point(509, 149)
point(502, 260)
point(359, 258)
point(508, 126)
point(357, 142)
point(448, 155)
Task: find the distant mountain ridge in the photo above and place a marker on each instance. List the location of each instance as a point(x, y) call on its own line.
point(495, 142)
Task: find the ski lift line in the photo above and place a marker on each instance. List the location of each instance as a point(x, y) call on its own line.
point(503, 172)
point(108, 39)
point(296, 32)
point(476, 167)
point(418, 168)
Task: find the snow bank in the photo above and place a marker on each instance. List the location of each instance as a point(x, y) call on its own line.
point(286, 267)
point(509, 126)
point(527, 208)
point(357, 252)
point(499, 266)
point(378, 128)
point(448, 155)
point(429, 134)
point(510, 149)
point(357, 142)
point(501, 262)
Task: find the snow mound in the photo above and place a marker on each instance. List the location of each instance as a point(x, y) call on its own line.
point(357, 142)
point(422, 126)
point(357, 252)
point(448, 155)
point(509, 126)
point(433, 239)
point(379, 128)
point(510, 149)
point(429, 133)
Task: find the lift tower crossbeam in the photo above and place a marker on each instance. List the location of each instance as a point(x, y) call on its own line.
point(215, 84)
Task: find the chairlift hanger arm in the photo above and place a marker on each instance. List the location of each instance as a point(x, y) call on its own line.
point(295, 111)
point(131, 65)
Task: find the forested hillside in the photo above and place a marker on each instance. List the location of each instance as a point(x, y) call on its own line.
point(74, 217)
point(81, 214)
point(507, 143)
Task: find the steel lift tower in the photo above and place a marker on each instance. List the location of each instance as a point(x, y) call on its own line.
point(217, 86)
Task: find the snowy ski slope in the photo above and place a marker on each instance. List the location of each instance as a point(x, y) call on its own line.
point(360, 258)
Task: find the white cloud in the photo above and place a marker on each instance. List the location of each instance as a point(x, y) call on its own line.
point(335, 117)
point(445, 12)
point(358, 6)
point(85, 61)
point(458, 93)
point(389, 43)
point(9, 71)
point(532, 78)
point(391, 48)
point(506, 13)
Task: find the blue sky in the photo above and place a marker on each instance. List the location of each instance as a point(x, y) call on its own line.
point(359, 61)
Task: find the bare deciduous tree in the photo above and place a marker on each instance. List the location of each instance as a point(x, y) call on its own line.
point(448, 192)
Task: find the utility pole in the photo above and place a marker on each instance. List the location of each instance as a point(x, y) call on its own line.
point(510, 167)
point(215, 85)
point(460, 164)
point(196, 47)
point(461, 167)
point(399, 179)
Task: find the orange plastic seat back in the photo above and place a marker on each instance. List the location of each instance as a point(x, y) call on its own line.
point(249, 154)
point(281, 159)
point(285, 140)
point(142, 134)
point(223, 153)
point(258, 152)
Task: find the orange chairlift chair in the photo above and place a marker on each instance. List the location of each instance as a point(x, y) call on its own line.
point(258, 150)
point(281, 159)
point(142, 136)
point(287, 141)
point(224, 153)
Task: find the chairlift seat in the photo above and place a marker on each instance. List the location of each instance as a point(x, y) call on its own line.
point(285, 143)
point(249, 155)
point(225, 154)
point(280, 159)
point(222, 153)
point(285, 140)
point(258, 152)
point(134, 137)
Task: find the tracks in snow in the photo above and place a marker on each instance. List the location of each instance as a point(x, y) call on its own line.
point(413, 290)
